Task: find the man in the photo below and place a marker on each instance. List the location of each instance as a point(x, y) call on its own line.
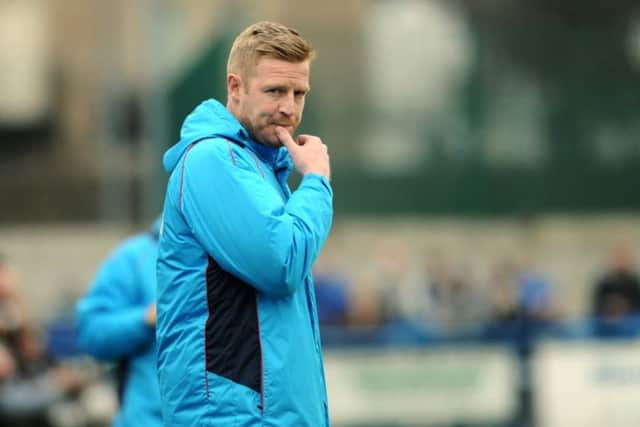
point(616, 296)
point(238, 340)
point(116, 322)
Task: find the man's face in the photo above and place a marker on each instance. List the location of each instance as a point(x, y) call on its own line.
point(272, 95)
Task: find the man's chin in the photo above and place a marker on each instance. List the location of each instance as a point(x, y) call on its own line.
point(276, 144)
point(270, 142)
point(271, 139)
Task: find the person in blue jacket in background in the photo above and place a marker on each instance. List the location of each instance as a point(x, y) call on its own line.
point(238, 338)
point(116, 323)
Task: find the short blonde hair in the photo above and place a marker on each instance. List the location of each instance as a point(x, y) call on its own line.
point(267, 40)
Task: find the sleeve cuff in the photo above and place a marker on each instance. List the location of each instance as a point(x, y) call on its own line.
point(316, 180)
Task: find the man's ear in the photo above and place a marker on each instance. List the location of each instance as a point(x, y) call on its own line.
point(234, 85)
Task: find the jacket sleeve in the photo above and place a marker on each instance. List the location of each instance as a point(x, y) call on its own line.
point(109, 320)
point(247, 227)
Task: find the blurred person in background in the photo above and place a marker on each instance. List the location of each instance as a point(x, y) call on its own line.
point(30, 388)
point(402, 300)
point(536, 298)
point(398, 285)
point(504, 291)
point(332, 296)
point(503, 283)
point(7, 363)
point(457, 304)
point(538, 314)
point(616, 296)
point(335, 300)
point(116, 323)
point(30, 385)
point(332, 290)
point(524, 306)
point(12, 311)
point(238, 335)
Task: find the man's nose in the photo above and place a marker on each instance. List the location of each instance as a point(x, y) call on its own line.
point(287, 104)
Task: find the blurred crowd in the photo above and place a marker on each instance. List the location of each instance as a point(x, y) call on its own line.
point(433, 299)
point(36, 387)
point(403, 298)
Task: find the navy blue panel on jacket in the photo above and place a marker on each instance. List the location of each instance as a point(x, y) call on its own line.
point(232, 339)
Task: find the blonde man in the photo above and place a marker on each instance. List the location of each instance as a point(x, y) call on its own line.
point(237, 330)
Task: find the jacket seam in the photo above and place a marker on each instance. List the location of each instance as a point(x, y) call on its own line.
point(255, 158)
point(233, 157)
point(184, 160)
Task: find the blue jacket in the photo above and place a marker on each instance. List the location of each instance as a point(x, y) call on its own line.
point(111, 327)
point(238, 339)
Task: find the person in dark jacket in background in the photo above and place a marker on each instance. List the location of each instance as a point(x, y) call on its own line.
point(616, 296)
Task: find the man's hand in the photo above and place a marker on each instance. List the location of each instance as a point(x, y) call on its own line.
point(150, 316)
point(308, 153)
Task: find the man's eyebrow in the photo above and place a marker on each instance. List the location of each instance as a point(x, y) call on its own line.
point(306, 89)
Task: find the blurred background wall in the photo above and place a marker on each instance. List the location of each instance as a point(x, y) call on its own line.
point(472, 108)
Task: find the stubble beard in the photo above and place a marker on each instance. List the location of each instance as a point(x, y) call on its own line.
point(266, 134)
point(261, 134)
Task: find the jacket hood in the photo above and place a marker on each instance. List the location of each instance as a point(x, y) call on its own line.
point(211, 119)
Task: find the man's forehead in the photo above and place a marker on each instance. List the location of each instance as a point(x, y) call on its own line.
point(277, 69)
